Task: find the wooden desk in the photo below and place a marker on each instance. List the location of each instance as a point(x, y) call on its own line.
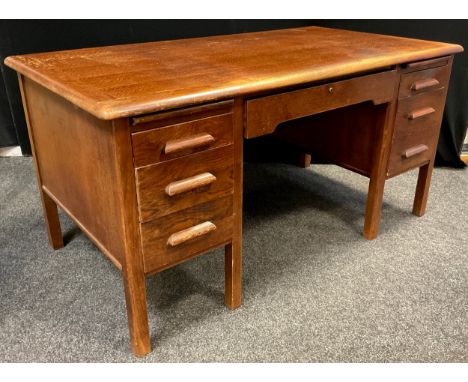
point(141, 145)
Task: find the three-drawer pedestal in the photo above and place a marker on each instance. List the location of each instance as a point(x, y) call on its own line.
point(421, 102)
point(184, 171)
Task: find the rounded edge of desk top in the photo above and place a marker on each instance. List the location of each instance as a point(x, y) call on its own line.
point(38, 67)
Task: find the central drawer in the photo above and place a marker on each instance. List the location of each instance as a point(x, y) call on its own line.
point(264, 114)
point(168, 187)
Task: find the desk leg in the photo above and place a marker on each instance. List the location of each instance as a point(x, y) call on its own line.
point(233, 251)
point(374, 206)
point(49, 206)
point(52, 221)
point(233, 275)
point(132, 258)
point(304, 160)
point(379, 170)
point(135, 297)
point(422, 189)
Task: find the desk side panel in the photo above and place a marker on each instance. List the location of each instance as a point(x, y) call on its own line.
point(75, 154)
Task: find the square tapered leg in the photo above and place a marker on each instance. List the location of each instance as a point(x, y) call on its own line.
point(52, 221)
point(233, 275)
point(422, 189)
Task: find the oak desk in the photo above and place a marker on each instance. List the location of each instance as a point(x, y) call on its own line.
point(141, 145)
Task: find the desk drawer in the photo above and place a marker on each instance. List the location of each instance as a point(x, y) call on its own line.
point(169, 142)
point(423, 81)
point(176, 184)
point(179, 236)
point(416, 132)
point(265, 113)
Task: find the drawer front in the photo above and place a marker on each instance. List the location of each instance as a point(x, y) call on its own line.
point(170, 186)
point(179, 236)
point(427, 64)
point(178, 140)
point(423, 81)
point(416, 132)
point(265, 113)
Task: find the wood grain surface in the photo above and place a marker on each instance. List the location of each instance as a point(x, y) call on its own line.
point(126, 80)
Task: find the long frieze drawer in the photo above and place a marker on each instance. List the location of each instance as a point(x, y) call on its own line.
point(179, 236)
point(168, 187)
point(416, 132)
point(164, 143)
point(265, 113)
point(424, 80)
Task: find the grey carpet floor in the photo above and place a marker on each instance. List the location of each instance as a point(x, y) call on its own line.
point(314, 289)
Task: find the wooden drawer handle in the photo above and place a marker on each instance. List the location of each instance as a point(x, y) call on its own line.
point(424, 84)
point(190, 184)
point(421, 113)
point(193, 142)
point(190, 233)
point(415, 151)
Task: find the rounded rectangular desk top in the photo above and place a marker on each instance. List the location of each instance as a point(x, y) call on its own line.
point(125, 80)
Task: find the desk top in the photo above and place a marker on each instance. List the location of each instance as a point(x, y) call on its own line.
point(125, 80)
